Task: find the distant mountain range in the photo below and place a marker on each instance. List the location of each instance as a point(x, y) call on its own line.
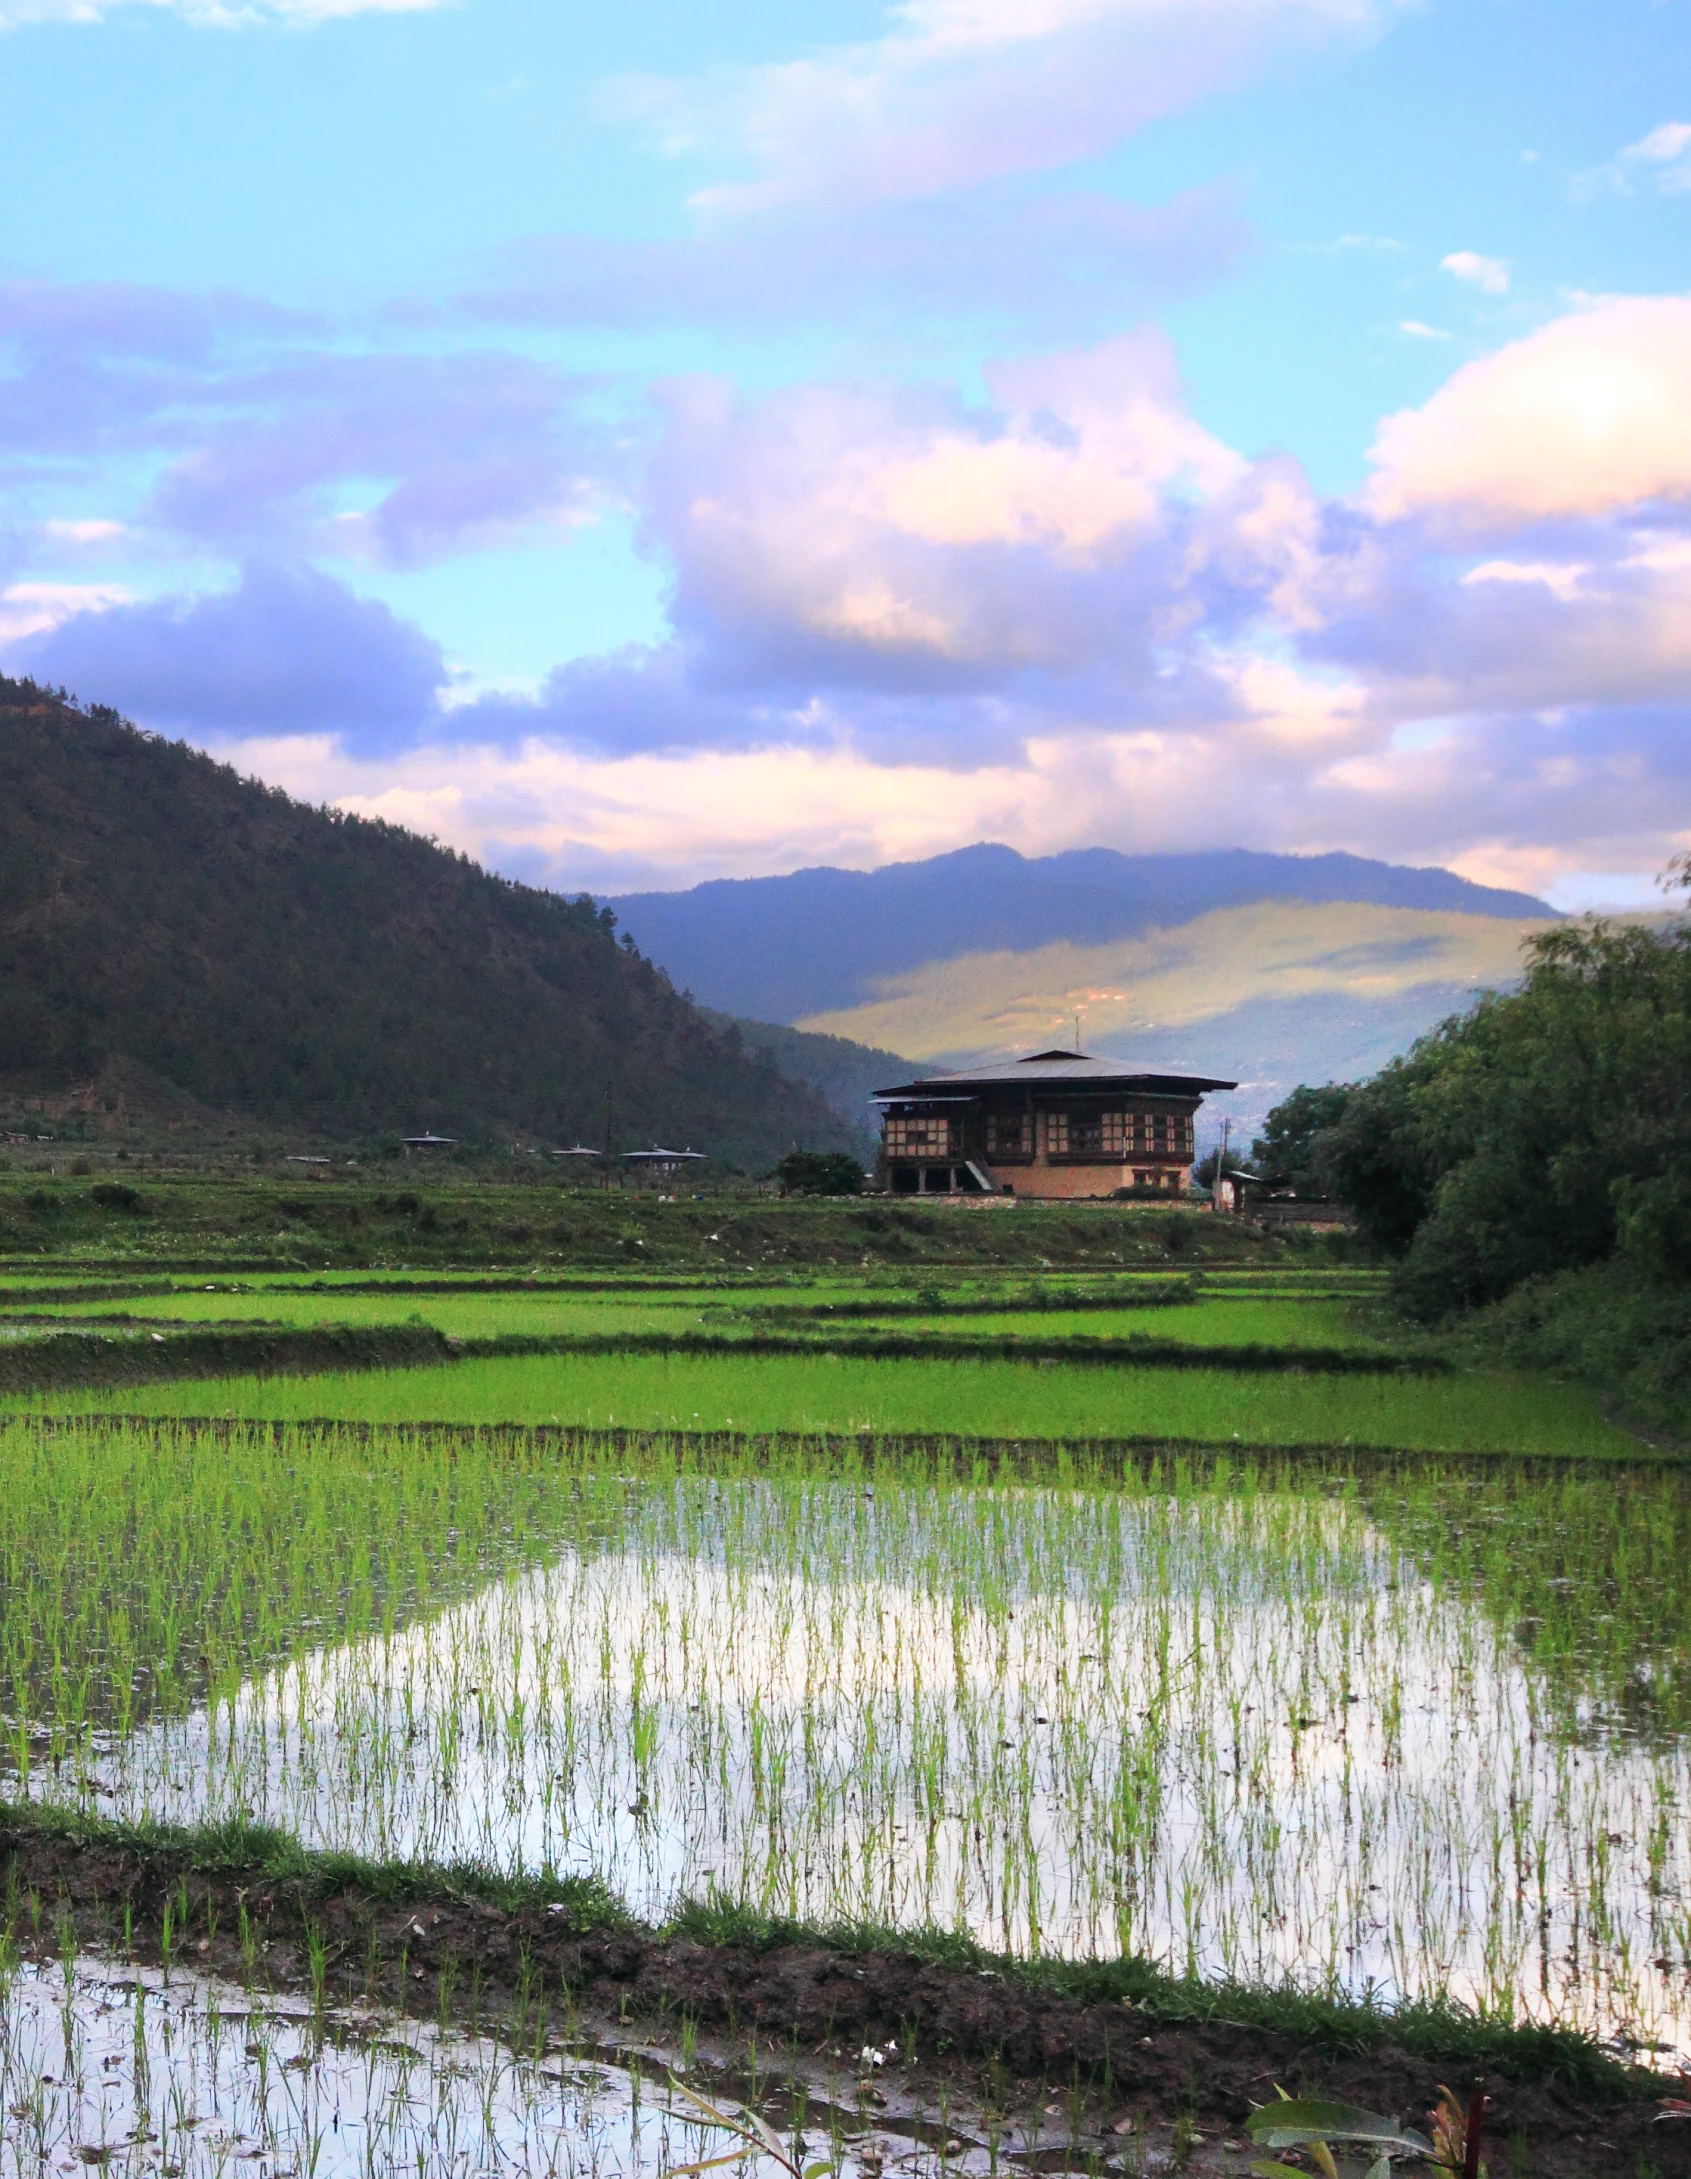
point(783, 949)
point(1273, 968)
point(174, 936)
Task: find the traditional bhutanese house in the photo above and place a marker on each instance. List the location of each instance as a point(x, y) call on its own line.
point(1053, 1124)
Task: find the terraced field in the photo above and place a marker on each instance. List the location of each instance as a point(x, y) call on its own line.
point(1209, 1628)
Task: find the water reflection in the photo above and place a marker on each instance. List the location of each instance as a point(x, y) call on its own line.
point(1255, 1734)
point(113, 2068)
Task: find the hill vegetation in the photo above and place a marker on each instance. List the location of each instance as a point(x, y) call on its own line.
point(170, 929)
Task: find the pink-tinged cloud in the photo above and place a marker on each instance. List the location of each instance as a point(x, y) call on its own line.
point(959, 92)
point(899, 539)
point(1586, 416)
point(901, 619)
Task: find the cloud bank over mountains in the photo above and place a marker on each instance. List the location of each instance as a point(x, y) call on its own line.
point(903, 607)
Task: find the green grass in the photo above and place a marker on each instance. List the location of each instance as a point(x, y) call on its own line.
point(462, 1316)
point(985, 1399)
point(1247, 1321)
point(1322, 2022)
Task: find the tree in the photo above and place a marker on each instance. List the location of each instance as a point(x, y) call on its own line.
point(1547, 1129)
point(819, 1172)
point(1287, 1151)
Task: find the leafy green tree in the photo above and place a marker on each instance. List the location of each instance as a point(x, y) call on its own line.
point(1542, 1131)
point(1286, 1150)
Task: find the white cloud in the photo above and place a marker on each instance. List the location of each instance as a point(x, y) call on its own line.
point(1666, 150)
point(1067, 523)
point(1419, 331)
point(206, 14)
point(1662, 156)
point(1589, 414)
point(84, 534)
point(1490, 274)
point(1561, 577)
point(957, 92)
point(1665, 143)
point(29, 609)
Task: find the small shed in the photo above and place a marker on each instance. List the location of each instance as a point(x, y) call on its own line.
point(659, 1164)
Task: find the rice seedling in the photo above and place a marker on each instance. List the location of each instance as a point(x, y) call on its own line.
point(989, 1398)
point(116, 2068)
point(1252, 1718)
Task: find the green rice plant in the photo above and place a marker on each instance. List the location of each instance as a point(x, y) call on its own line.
point(1257, 1718)
point(992, 1398)
point(109, 2071)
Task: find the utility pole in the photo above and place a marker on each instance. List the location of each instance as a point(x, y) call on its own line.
point(607, 1134)
point(1221, 1159)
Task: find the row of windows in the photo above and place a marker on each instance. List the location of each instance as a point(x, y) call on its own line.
point(1107, 1135)
point(917, 1138)
point(1115, 1135)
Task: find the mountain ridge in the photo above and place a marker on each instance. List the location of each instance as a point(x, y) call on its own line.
point(209, 934)
point(819, 941)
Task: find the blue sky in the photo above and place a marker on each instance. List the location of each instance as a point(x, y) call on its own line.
point(639, 445)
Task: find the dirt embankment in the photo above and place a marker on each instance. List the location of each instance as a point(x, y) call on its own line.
point(1056, 2082)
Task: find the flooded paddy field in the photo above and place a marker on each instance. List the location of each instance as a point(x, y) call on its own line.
point(1372, 1689)
point(126, 2065)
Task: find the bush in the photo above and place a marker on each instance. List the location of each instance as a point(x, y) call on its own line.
point(117, 1195)
point(1626, 1333)
point(819, 1172)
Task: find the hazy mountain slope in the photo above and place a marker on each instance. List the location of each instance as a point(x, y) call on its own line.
point(845, 1073)
point(788, 948)
point(1275, 994)
point(159, 913)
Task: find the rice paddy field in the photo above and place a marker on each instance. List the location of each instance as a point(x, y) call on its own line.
point(1206, 1619)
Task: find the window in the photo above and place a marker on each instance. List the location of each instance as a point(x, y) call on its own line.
point(1009, 1134)
point(1104, 1135)
point(1056, 1134)
point(910, 1136)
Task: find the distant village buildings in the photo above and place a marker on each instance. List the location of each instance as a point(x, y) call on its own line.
point(1054, 1125)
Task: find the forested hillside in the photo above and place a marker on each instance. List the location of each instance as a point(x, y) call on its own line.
point(158, 912)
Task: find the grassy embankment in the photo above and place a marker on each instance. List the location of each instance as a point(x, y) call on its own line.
point(512, 1212)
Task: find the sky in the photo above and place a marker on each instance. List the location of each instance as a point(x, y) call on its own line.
point(646, 444)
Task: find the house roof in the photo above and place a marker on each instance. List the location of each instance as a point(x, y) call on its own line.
point(1057, 1067)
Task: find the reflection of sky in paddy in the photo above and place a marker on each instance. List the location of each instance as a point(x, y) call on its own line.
point(203, 2078)
point(1238, 1734)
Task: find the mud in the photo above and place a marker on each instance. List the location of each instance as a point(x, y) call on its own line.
point(906, 2049)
